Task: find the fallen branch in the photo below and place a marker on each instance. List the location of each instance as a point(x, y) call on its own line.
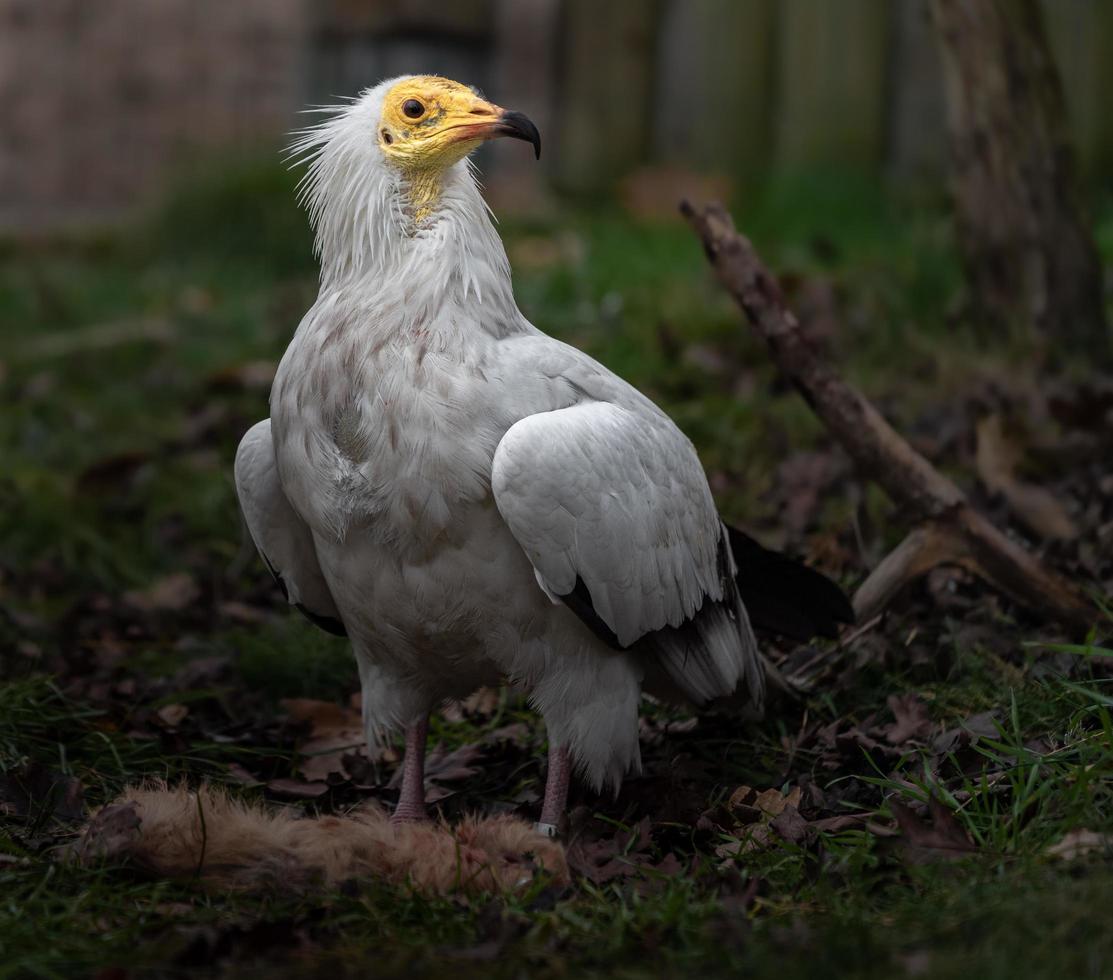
point(948, 529)
point(926, 547)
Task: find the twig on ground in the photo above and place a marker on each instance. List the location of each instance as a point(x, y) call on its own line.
point(948, 530)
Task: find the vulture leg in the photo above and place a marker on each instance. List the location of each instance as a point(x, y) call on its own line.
point(556, 790)
point(411, 798)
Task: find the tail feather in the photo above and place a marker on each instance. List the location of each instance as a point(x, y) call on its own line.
point(714, 653)
point(785, 596)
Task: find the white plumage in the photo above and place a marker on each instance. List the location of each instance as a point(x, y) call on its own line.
point(472, 499)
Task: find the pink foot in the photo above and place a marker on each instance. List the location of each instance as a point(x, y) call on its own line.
point(409, 813)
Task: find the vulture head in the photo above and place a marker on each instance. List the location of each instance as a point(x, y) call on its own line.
point(429, 123)
point(380, 166)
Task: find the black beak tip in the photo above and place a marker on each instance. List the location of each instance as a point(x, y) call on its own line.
point(519, 125)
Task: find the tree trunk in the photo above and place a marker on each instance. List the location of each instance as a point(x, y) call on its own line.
point(1030, 259)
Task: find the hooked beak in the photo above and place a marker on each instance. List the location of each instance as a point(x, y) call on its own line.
point(519, 126)
point(501, 122)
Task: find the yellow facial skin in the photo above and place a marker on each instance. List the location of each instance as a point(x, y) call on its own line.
point(429, 123)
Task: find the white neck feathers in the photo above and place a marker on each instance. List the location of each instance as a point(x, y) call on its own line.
point(368, 234)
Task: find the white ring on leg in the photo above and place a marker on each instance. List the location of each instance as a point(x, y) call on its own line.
point(546, 829)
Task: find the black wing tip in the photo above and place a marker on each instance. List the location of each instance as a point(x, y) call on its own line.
point(330, 624)
point(836, 604)
point(275, 575)
point(780, 594)
point(783, 595)
point(579, 601)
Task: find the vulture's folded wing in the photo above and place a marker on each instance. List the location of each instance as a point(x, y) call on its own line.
point(612, 508)
point(283, 539)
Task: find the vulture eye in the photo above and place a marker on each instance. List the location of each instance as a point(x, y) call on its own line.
point(412, 108)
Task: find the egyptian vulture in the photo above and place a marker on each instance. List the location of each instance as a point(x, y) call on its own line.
point(472, 501)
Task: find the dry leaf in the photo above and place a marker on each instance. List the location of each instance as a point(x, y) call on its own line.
point(171, 594)
point(912, 719)
point(759, 815)
point(239, 774)
point(743, 796)
point(454, 765)
point(1079, 843)
point(296, 789)
point(321, 716)
point(483, 702)
point(789, 825)
point(334, 732)
point(982, 725)
point(832, 825)
point(240, 612)
point(172, 715)
point(516, 733)
point(755, 836)
point(944, 839)
point(442, 767)
point(626, 852)
point(747, 801)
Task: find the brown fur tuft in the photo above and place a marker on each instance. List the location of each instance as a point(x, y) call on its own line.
point(180, 833)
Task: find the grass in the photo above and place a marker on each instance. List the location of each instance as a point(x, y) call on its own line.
point(1007, 911)
point(125, 391)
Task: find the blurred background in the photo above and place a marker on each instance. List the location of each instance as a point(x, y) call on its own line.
point(107, 103)
point(932, 183)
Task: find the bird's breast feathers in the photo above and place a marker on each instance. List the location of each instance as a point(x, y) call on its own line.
point(396, 437)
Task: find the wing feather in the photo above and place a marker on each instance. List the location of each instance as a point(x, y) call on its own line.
point(603, 493)
point(612, 508)
point(281, 536)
